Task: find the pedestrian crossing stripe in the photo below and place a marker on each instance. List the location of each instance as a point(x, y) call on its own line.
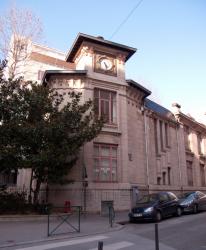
point(65, 243)
point(116, 246)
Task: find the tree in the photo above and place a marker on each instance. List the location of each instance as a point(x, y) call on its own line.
point(2, 66)
point(18, 29)
point(39, 133)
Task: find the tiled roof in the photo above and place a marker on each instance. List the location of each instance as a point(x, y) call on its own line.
point(158, 108)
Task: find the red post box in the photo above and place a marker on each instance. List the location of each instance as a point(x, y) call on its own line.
point(67, 207)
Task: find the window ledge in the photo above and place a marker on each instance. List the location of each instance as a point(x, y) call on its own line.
point(110, 126)
point(203, 156)
point(189, 152)
point(105, 181)
point(111, 129)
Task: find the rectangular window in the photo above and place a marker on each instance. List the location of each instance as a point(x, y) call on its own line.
point(105, 162)
point(105, 105)
point(164, 178)
point(9, 179)
point(161, 136)
point(169, 175)
point(199, 144)
point(189, 173)
point(167, 137)
point(156, 137)
point(186, 137)
point(202, 175)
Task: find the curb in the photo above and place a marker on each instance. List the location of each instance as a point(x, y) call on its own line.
point(116, 227)
point(10, 218)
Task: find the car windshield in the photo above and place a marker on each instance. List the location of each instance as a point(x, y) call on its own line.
point(148, 198)
point(187, 196)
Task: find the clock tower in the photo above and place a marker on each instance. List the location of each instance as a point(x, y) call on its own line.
point(103, 59)
point(110, 159)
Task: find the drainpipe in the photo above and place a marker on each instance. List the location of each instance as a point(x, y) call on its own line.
point(84, 181)
point(146, 147)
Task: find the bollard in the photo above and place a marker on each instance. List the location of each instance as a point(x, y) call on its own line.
point(48, 230)
point(100, 245)
point(111, 215)
point(156, 237)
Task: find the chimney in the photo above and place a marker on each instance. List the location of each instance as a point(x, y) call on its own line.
point(100, 37)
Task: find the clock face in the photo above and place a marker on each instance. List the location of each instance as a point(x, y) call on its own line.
point(105, 64)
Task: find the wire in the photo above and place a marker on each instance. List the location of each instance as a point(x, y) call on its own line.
point(124, 21)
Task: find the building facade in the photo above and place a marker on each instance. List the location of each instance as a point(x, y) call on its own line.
point(143, 147)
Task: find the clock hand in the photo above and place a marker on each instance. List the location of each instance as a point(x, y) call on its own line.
point(105, 65)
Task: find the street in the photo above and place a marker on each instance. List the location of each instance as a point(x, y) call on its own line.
point(184, 233)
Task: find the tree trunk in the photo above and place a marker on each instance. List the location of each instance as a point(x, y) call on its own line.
point(30, 187)
point(36, 191)
point(47, 193)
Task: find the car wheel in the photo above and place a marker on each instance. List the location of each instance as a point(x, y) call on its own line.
point(131, 220)
point(195, 209)
point(178, 211)
point(158, 216)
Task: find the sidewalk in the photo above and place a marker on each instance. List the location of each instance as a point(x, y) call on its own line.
point(16, 230)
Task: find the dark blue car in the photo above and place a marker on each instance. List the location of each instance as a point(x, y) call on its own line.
point(193, 202)
point(155, 207)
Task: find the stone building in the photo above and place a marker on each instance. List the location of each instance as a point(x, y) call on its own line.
point(33, 59)
point(142, 148)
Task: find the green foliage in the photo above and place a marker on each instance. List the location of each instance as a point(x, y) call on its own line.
point(39, 131)
point(14, 202)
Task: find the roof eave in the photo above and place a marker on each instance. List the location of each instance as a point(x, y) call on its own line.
point(191, 120)
point(83, 37)
point(49, 73)
point(137, 85)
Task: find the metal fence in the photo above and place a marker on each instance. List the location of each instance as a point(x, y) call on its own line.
point(62, 220)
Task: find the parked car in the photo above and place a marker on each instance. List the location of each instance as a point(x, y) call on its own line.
point(193, 202)
point(3, 187)
point(155, 207)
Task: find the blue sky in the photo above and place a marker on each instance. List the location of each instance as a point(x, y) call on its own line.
point(170, 36)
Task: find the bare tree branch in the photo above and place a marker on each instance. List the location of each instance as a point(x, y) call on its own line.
point(18, 29)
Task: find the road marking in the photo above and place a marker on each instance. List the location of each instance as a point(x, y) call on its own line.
point(65, 243)
point(116, 246)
